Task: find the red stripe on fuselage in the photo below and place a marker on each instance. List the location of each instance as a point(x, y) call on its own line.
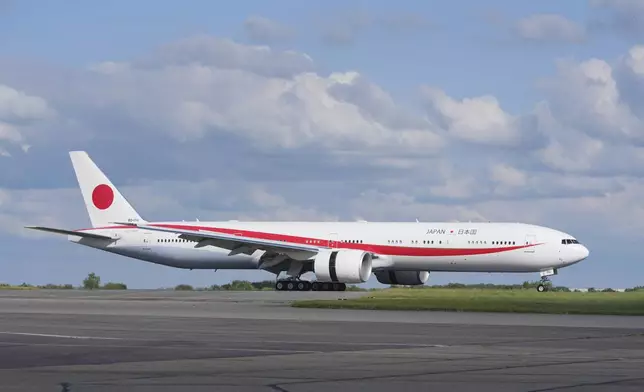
point(374, 248)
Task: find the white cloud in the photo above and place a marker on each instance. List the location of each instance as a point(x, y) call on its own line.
point(9, 132)
point(224, 54)
point(346, 26)
point(46, 207)
point(478, 120)
point(270, 97)
point(549, 27)
point(629, 75)
point(454, 188)
point(18, 114)
point(156, 200)
point(507, 175)
point(261, 29)
point(16, 105)
point(457, 159)
point(635, 60)
point(626, 15)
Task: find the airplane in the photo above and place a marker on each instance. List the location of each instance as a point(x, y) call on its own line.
point(337, 253)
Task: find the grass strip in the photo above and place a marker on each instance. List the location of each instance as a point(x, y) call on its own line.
point(486, 300)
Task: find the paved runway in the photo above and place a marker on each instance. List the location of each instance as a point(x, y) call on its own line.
point(252, 341)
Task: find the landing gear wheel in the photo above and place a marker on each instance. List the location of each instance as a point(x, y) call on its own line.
point(279, 286)
point(541, 288)
point(290, 286)
point(303, 286)
point(327, 286)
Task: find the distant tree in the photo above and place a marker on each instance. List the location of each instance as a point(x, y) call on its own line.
point(92, 282)
point(264, 284)
point(114, 286)
point(184, 287)
point(51, 286)
point(238, 285)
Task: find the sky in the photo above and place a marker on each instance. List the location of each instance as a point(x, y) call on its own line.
point(337, 110)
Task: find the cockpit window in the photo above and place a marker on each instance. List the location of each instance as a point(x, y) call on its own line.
point(567, 241)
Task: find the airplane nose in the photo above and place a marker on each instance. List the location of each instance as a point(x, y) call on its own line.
point(583, 252)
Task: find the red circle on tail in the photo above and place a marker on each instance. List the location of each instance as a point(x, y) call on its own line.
point(102, 196)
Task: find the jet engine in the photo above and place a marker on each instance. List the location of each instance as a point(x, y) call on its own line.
point(405, 278)
point(342, 266)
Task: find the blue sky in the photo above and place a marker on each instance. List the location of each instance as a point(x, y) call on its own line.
point(377, 110)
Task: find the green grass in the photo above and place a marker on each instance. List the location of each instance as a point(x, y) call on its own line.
point(9, 287)
point(486, 300)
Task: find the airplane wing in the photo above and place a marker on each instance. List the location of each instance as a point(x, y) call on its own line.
point(70, 232)
point(237, 244)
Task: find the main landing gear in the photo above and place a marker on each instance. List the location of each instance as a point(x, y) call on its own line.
point(545, 284)
point(303, 285)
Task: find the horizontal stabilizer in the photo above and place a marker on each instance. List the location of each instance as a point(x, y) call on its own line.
point(70, 232)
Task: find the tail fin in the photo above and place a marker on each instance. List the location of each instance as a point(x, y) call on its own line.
point(105, 204)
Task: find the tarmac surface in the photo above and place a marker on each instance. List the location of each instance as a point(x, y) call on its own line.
point(253, 341)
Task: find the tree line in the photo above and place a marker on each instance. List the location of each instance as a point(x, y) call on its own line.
point(93, 282)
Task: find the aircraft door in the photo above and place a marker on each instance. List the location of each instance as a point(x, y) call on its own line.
point(147, 241)
point(333, 240)
point(530, 239)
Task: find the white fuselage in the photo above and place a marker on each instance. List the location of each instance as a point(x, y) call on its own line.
point(415, 246)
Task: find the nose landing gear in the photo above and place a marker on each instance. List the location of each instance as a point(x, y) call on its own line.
point(545, 284)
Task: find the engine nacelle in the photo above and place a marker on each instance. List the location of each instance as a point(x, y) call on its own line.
point(342, 266)
point(405, 278)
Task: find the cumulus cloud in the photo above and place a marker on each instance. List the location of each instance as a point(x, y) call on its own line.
point(478, 120)
point(17, 106)
point(549, 28)
point(629, 76)
point(347, 26)
point(334, 146)
point(224, 54)
point(160, 200)
point(23, 207)
point(585, 95)
point(507, 175)
point(203, 85)
point(592, 115)
point(18, 114)
point(264, 30)
point(625, 16)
